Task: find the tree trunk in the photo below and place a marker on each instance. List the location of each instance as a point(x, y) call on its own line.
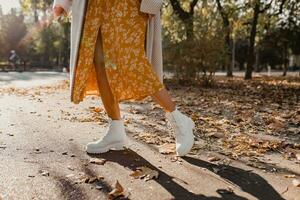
point(228, 52)
point(251, 57)
point(229, 72)
point(285, 61)
point(227, 38)
point(189, 25)
point(284, 70)
point(241, 66)
point(35, 11)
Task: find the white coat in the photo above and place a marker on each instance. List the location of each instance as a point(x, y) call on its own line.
point(153, 38)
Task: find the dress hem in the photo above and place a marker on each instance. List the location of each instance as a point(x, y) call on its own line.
point(140, 98)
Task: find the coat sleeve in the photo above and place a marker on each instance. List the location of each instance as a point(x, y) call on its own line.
point(65, 4)
point(151, 6)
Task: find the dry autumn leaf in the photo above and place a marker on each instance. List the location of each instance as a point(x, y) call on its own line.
point(296, 182)
point(96, 109)
point(136, 174)
point(214, 159)
point(217, 135)
point(290, 176)
point(167, 148)
point(97, 161)
point(145, 173)
point(117, 191)
point(298, 156)
point(88, 179)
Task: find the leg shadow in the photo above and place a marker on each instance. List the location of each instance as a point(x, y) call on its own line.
point(248, 181)
point(132, 160)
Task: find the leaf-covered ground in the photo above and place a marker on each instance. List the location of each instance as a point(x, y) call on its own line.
point(241, 118)
point(245, 118)
point(234, 117)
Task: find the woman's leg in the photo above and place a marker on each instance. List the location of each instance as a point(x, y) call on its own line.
point(164, 99)
point(115, 137)
point(182, 125)
point(110, 105)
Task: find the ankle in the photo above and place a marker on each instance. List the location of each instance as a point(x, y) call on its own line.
point(115, 118)
point(172, 110)
point(120, 118)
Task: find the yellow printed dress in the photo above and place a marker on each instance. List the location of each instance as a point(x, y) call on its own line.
point(123, 28)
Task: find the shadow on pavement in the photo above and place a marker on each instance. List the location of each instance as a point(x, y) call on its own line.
point(70, 190)
point(132, 160)
point(248, 181)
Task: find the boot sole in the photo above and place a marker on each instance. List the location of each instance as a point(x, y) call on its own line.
point(190, 145)
point(115, 146)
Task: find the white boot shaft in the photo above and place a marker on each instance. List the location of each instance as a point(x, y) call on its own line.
point(115, 131)
point(183, 127)
point(114, 138)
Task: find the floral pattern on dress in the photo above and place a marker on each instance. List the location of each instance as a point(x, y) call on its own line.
point(123, 28)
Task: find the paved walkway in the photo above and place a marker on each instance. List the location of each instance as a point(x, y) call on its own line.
point(30, 79)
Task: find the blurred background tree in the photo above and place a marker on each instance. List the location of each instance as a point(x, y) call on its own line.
point(256, 34)
point(48, 48)
point(12, 30)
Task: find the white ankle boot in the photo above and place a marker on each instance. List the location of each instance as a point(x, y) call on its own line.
point(114, 139)
point(183, 127)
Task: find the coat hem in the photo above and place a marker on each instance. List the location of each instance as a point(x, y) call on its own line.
point(76, 63)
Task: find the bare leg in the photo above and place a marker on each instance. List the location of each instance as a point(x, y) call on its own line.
point(110, 105)
point(164, 99)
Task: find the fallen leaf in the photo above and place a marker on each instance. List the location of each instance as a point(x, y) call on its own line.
point(286, 189)
point(216, 170)
point(229, 190)
point(167, 148)
point(276, 124)
point(44, 173)
point(290, 176)
point(145, 173)
point(70, 175)
point(96, 109)
point(99, 187)
point(117, 191)
point(93, 180)
point(97, 161)
point(297, 156)
point(136, 174)
point(217, 135)
point(89, 179)
point(214, 158)
point(296, 182)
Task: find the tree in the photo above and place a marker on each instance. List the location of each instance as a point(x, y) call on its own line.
point(194, 59)
point(187, 17)
point(226, 14)
point(258, 7)
point(282, 32)
point(35, 8)
point(13, 29)
point(51, 44)
point(241, 52)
